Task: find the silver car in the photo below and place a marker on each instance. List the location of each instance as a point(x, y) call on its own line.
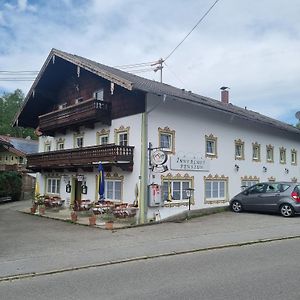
point(282, 197)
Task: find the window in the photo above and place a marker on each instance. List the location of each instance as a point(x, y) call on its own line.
point(294, 157)
point(62, 105)
point(270, 153)
point(113, 190)
point(122, 136)
point(99, 95)
point(166, 139)
point(53, 186)
point(282, 155)
point(256, 151)
point(248, 181)
point(239, 150)
point(174, 189)
point(78, 140)
point(215, 189)
point(60, 144)
point(211, 146)
point(47, 146)
point(103, 137)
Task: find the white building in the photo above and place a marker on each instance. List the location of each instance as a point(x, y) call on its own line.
point(88, 112)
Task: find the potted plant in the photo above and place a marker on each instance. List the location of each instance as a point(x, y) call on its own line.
point(40, 202)
point(74, 216)
point(109, 219)
point(92, 220)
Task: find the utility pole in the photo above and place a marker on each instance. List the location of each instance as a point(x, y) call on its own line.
point(159, 67)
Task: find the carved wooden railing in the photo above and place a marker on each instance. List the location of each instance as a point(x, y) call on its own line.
point(89, 111)
point(81, 157)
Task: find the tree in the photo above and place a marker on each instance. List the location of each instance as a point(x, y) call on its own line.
point(10, 103)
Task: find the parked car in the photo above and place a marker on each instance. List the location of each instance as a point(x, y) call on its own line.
point(282, 197)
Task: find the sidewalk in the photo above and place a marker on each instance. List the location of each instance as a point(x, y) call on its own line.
point(64, 214)
point(34, 245)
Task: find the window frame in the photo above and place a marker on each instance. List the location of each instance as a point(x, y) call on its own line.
point(215, 179)
point(76, 137)
point(47, 146)
point(169, 181)
point(256, 150)
point(113, 178)
point(167, 132)
point(270, 148)
point(248, 181)
point(282, 155)
point(211, 139)
point(56, 186)
point(119, 132)
point(294, 154)
point(239, 143)
point(101, 134)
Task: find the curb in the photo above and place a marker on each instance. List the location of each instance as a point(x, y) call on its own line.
point(140, 258)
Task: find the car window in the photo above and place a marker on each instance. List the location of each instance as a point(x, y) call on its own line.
point(282, 187)
point(256, 189)
point(272, 188)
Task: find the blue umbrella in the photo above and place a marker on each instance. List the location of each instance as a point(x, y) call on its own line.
point(101, 182)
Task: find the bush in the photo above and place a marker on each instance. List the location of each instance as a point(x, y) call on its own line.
point(10, 185)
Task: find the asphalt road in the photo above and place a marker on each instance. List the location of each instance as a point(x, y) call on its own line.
point(261, 271)
point(34, 246)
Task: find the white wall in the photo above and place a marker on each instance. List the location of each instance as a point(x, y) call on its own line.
point(191, 123)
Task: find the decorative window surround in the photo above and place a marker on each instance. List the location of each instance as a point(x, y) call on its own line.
point(294, 157)
point(248, 181)
point(239, 146)
point(271, 179)
point(270, 154)
point(78, 140)
point(173, 186)
point(103, 137)
point(211, 146)
point(166, 139)
point(47, 146)
point(294, 179)
point(282, 155)
point(60, 144)
point(114, 187)
point(256, 152)
point(122, 136)
point(215, 189)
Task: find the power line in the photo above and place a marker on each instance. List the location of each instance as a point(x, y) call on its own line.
point(201, 19)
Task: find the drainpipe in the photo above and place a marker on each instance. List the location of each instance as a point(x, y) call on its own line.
point(144, 167)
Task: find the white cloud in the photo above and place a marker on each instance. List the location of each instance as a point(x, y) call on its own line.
point(252, 47)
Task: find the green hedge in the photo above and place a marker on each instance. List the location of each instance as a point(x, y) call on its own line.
point(10, 185)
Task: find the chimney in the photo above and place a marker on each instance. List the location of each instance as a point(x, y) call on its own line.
point(224, 94)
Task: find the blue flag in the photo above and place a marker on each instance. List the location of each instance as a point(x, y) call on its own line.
point(101, 182)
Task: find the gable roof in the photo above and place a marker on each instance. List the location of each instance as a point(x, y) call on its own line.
point(133, 82)
point(20, 146)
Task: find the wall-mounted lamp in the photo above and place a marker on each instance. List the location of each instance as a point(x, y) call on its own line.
point(286, 171)
point(236, 167)
point(265, 169)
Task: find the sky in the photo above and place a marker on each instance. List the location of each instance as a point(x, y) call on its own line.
point(252, 47)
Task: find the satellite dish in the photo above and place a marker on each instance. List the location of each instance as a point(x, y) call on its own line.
point(297, 115)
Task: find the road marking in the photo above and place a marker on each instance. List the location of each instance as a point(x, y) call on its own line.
point(139, 258)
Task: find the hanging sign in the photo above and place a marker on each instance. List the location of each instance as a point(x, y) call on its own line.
point(158, 157)
point(189, 162)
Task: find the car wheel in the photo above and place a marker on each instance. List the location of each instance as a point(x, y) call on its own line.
point(287, 210)
point(236, 206)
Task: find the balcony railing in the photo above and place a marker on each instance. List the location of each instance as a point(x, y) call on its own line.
point(110, 154)
point(86, 112)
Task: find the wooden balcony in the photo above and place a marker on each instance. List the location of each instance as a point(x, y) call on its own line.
point(84, 113)
point(86, 158)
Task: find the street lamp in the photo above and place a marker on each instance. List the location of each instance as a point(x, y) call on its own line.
point(189, 193)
